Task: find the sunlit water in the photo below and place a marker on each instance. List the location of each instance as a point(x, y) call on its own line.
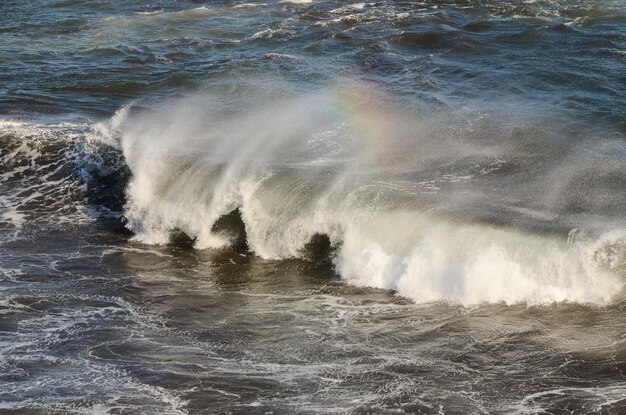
point(312, 207)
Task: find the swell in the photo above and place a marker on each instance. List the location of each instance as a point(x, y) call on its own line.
point(454, 208)
point(306, 178)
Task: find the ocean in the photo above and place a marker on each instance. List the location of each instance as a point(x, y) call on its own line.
point(313, 207)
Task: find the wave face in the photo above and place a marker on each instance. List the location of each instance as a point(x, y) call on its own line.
point(62, 173)
point(460, 207)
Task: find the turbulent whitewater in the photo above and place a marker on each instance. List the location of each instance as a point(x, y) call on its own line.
point(313, 207)
point(464, 207)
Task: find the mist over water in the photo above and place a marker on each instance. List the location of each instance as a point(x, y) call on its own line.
point(462, 206)
point(312, 207)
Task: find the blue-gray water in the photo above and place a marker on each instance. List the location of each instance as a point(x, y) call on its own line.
point(312, 207)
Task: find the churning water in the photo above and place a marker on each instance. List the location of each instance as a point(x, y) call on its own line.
point(313, 207)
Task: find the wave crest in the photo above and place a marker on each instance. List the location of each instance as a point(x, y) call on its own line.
point(345, 167)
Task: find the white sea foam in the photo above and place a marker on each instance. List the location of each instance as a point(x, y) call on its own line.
point(197, 162)
point(47, 167)
point(474, 263)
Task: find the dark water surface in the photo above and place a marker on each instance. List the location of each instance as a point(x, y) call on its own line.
point(312, 207)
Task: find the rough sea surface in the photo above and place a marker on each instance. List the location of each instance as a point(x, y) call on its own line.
point(312, 207)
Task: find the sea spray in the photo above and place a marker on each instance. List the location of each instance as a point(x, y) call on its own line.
point(446, 207)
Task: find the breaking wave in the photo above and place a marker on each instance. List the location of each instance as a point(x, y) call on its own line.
point(448, 208)
point(65, 173)
point(463, 207)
